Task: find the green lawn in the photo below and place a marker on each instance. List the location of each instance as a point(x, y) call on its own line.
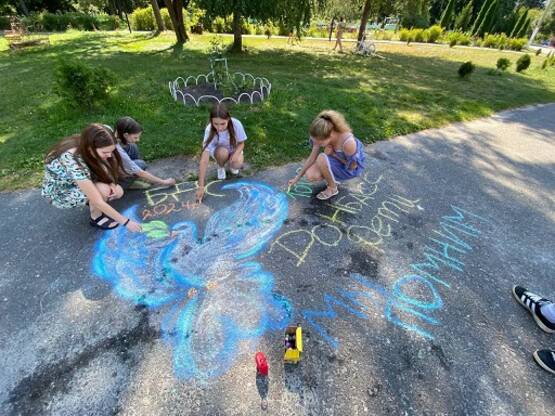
point(415, 87)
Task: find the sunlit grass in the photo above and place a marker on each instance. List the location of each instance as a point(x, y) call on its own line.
point(414, 87)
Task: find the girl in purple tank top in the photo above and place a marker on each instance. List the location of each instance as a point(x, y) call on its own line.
point(343, 156)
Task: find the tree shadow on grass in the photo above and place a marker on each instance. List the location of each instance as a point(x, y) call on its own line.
point(380, 98)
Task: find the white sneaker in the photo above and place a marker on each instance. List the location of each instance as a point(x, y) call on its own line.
point(234, 171)
point(221, 173)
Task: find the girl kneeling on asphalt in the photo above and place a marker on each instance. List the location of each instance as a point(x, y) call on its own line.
point(128, 132)
point(224, 140)
point(343, 156)
point(84, 169)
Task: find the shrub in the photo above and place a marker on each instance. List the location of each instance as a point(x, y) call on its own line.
point(248, 28)
point(143, 19)
point(404, 35)
point(56, 22)
point(456, 37)
point(387, 35)
point(517, 44)
point(108, 22)
point(195, 19)
point(434, 33)
point(488, 41)
point(33, 21)
point(417, 35)
point(259, 29)
point(218, 25)
point(464, 39)
point(503, 64)
point(538, 51)
point(270, 29)
point(82, 84)
point(452, 38)
point(198, 28)
point(523, 62)
point(466, 69)
point(499, 41)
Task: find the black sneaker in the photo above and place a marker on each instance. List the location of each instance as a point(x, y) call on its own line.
point(533, 303)
point(545, 359)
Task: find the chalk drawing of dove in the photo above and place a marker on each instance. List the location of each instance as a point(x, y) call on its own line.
point(215, 297)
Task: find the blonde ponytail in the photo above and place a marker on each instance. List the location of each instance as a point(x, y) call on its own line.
point(326, 122)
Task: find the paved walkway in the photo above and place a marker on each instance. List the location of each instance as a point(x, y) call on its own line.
point(402, 284)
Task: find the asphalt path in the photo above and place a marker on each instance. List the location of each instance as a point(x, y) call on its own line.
point(401, 284)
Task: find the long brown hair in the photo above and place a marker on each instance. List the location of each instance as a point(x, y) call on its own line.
point(220, 111)
point(127, 125)
point(326, 122)
point(92, 137)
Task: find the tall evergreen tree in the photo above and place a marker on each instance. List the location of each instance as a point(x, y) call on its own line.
point(524, 29)
point(489, 19)
point(481, 15)
point(519, 23)
point(447, 15)
point(464, 18)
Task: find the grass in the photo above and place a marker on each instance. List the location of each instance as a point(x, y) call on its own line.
point(415, 87)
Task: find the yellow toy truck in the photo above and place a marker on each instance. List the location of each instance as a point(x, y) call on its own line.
point(293, 344)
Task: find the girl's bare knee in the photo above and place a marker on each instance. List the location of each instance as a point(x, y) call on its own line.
point(221, 155)
point(104, 189)
point(118, 193)
point(313, 175)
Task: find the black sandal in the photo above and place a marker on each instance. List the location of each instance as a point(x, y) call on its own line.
point(105, 225)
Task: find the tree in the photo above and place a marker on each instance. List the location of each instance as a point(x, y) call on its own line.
point(292, 13)
point(489, 19)
point(24, 7)
point(158, 16)
point(364, 19)
point(463, 20)
point(333, 10)
point(90, 6)
point(481, 15)
point(414, 13)
point(175, 10)
point(519, 23)
point(447, 15)
point(524, 29)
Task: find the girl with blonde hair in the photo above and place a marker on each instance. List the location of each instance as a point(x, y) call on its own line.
point(343, 156)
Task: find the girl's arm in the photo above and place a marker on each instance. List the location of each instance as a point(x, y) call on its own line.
point(308, 163)
point(237, 151)
point(205, 157)
point(149, 177)
point(349, 148)
point(96, 200)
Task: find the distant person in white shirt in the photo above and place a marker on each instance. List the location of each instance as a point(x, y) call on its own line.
point(224, 140)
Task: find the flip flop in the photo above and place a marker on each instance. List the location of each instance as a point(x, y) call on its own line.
point(323, 196)
point(105, 225)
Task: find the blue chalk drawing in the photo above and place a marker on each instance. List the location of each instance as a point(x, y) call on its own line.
point(213, 296)
point(439, 256)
